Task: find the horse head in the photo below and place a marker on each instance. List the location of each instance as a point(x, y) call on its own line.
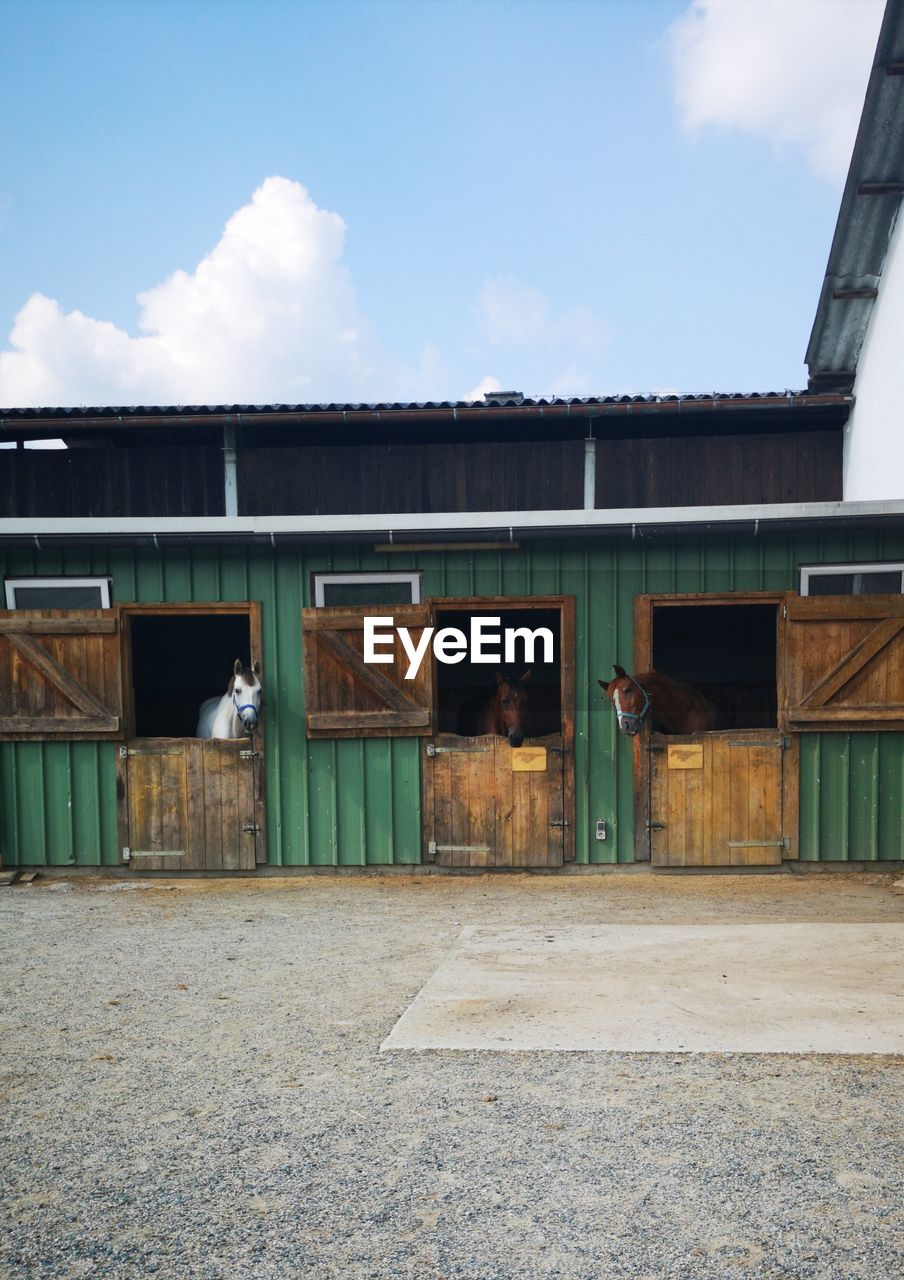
point(247, 694)
point(511, 705)
point(630, 699)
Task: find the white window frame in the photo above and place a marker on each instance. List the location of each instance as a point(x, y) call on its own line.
point(11, 585)
point(808, 571)
point(378, 577)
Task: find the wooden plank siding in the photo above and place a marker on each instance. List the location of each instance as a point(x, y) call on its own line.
point(800, 466)
point(797, 466)
point(358, 803)
point(137, 481)
point(343, 480)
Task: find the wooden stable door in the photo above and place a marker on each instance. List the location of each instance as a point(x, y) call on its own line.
point(487, 804)
point(60, 675)
point(722, 799)
point(188, 804)
point(843, 663)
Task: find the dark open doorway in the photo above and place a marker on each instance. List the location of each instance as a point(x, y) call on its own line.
point(179, 660)
point(727, 650)
point(459, 683)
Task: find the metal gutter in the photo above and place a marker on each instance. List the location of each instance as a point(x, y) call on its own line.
point(398, 528)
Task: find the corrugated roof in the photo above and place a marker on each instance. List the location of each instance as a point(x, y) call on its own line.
point(866, 216)
point(709, 400)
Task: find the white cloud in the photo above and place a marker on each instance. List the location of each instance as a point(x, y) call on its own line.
point(791, 71)
point(510, 313)
point(269, 315)
point(489, 383)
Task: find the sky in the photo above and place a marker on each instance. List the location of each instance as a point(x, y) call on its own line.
point(276, 201)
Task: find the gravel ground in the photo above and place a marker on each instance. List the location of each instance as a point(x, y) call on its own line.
point(192, 1087)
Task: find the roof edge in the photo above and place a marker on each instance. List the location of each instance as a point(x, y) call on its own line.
point(408, 526)
point(437, 411)
point(866, 217)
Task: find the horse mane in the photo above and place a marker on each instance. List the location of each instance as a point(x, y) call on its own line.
point(696, 698)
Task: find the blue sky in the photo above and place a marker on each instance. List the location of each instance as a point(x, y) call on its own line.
point(570, 198)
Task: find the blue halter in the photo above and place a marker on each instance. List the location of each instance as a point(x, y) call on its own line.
point(644, 710)
point(246, 706)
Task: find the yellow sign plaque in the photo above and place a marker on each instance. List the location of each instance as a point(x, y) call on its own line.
point(528, 759)
point(686, 755)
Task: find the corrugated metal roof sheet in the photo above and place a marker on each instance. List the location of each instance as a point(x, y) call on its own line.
point(707, 400)
point(865, 218)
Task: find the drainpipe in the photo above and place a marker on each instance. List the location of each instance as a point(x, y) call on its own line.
point(589, 474)
point(230, 485)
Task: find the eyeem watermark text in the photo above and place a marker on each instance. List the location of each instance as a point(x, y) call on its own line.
point(487, 642)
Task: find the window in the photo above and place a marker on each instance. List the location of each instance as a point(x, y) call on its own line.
point(337, 589)
point(879, 579)
point(57, 593)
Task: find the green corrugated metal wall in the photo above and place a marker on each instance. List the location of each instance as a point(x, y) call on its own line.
point(357, 803)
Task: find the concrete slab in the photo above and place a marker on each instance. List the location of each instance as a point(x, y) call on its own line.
point(759, 988)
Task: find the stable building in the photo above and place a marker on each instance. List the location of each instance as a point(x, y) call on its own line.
point(703, 536)
point(752, 545)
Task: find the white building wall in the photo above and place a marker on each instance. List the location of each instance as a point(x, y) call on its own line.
point(874, 435)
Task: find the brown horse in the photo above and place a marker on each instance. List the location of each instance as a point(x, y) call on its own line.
point(675, 707)
point(503, 711)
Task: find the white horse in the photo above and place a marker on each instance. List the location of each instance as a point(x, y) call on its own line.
point(236, 714)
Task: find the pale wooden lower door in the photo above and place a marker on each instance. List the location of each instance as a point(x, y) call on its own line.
point(187, 804)
point(485, 806)
point(719, 799)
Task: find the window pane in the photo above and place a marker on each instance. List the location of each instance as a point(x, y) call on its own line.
point(39, 597)
point(366, 593)
point(859, 584)
point(877, 584)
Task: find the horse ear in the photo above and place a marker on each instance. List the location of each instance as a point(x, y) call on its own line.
point(619, 671)
point(256, 667)
point(603, 684)
point(238, 667)
point(527, 675)
point(500, 677)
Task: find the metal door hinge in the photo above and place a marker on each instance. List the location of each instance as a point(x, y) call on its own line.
point(152, 853)
point(656, 826)
point(433, 848)
point(124, 753)
point(248, 755)
point(251, 829)
point(558, 822)
point(784, 843)
point(454, 751)
point(655, 746)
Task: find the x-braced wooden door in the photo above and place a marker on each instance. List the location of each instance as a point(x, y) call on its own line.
point(190, 804)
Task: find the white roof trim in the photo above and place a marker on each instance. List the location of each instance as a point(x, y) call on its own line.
point(502, 522)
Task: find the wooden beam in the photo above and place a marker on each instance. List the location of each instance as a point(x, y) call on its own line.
point(11, 625)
